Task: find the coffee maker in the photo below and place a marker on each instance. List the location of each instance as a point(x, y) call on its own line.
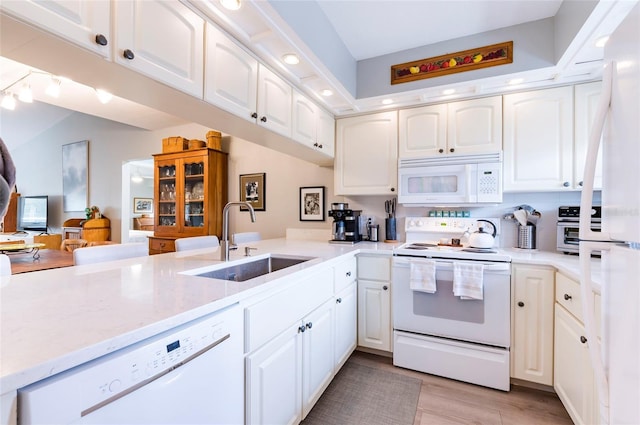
point(346, 224)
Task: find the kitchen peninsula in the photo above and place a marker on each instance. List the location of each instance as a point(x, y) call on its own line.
point(57, 319)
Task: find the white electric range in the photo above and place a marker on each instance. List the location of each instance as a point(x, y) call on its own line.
point(441, 333)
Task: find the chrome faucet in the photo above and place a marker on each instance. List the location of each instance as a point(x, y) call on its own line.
point(225, 245)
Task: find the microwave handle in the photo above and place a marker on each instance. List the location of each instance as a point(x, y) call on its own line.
point(469, 169)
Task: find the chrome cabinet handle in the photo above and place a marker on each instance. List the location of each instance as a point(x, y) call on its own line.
point(128, 54)
point(565, 184)
point(440, 150)
point(348, 274)
point(452, 150)
point(302, 329)
point(567, 297)
point(385, 287)
point(254, 115)
point(309, 325)
point(263, 119)
point(520, 304)
point(339, 300)
point(583, 339)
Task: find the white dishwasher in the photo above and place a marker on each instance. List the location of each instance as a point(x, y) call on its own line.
point(192, 374)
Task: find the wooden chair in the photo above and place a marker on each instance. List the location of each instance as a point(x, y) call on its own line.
point(72, 244)
point(245, 237)
point(111, 252)
point(98, 243)
point(197, 242)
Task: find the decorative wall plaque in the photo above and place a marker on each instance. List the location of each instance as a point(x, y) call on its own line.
point(467, 60)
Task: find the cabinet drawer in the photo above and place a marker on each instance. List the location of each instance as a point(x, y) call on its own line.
point(344, 274)
point(268, 318)
point(374, 267)
point(161, 245)
point(568, 295)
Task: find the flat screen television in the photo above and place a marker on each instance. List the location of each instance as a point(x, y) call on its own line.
point(33, 213)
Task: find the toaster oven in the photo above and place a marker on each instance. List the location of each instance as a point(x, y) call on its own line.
point(568, 227)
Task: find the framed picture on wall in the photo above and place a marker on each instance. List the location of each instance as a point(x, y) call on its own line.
point(142, 205)
point(312, 203)
point(253, 190)
point(75, 176)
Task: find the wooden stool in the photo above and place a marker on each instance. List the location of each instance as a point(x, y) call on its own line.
point(71, 244)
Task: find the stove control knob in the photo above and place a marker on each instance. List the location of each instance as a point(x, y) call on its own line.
point(419, 223)
point(411, 223)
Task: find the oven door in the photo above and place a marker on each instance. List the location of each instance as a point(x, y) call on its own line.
point(446, 184)
point(442, 314)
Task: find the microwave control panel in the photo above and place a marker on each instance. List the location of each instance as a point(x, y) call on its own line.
point(489, 182)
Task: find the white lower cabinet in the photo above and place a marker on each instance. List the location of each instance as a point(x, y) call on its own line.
point(532, 329)
point(374, 302)
point(346, 335)
point(574, 380)
point(287, 376)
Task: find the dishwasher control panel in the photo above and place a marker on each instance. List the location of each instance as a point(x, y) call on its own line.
point(97, 383)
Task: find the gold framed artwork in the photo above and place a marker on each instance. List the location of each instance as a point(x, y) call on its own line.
point(253, 190)
point(451, 63)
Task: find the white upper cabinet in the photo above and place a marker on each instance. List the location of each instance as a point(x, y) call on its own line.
point(586, 97)
point(465, 127)
point(85, 23)
point(274, 102)
point(326, 132)
point(538, 140)
point(366, 161)
point(475, 126)
point(163, 40)
point(231, 79)
point(312, 126)
point(422, 131)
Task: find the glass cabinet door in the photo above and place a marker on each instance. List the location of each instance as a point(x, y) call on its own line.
point(167, 195)
point(194, 196)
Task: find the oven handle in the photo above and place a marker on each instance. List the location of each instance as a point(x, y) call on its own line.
point(448, 265)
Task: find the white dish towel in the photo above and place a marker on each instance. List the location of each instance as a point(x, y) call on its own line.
point(467, 280)
point(422, 275)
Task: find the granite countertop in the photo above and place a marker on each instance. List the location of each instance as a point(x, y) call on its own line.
point(56, 319)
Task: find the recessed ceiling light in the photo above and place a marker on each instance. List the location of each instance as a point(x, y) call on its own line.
point(103, 96)
point(387, 101)
point(448, 91)
point(515, 81)
point(231, 4)
point(291, 59)
point(600, 42)
point(326, 92)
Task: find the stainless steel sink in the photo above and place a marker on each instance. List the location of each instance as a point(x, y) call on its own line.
point(251, 269)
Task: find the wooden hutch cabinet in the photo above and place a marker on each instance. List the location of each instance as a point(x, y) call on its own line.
point(190, 191)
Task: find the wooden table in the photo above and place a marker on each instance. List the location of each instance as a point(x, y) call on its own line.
point(49, 259)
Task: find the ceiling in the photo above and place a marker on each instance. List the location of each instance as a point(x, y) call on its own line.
point(364, 29)
point(379, 27)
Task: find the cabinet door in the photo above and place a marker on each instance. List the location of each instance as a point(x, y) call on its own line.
point(274, 380)
point(532, 341)
point(422, 131)
point(166, 207)
point(346, 334)
point(475, 126)
point(163, 40)
point(305, 120)
point(366, 160)
point(85, 23)
point(274, 102)
point(374, 315)
point(538, 140)
point(573, 376)
point(231, 79)
point(586, 97)
point(318, 352)
point(326, 132)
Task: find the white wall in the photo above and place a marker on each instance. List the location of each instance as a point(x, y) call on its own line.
point(39, 172)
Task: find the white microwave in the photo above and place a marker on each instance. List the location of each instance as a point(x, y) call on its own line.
point(453, 180)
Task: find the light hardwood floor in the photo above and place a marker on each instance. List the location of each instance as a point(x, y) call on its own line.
point(448, 402)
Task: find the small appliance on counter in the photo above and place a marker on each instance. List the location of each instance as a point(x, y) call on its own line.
point(346, 224)
point(568, 227)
